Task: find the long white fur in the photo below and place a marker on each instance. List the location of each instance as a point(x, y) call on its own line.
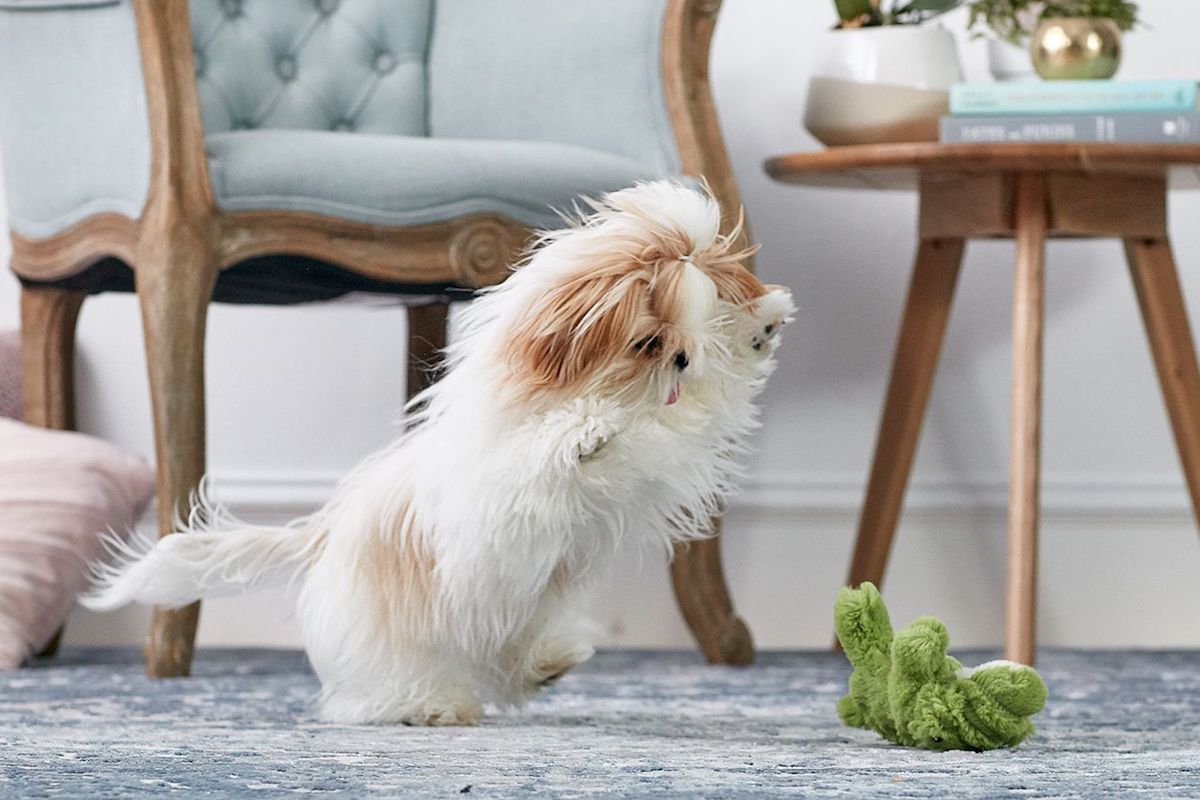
point(220, 556)
point(516, 507)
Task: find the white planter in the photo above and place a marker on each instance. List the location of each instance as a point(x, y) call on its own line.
point(887, 84)
point(1007, 62)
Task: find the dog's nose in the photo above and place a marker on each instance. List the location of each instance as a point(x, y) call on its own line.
point(681, 361)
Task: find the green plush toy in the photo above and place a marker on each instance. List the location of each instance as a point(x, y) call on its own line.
point(906, 688)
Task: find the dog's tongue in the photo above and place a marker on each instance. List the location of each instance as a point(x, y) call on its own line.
point(673, 396)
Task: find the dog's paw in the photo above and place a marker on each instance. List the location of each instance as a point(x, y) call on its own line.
point(450, 709)
point(594, 437)
point(756, 330)
point(555, 658)
point(590, 425)
point(763, 338)
point(378, 706)
point(772, 312)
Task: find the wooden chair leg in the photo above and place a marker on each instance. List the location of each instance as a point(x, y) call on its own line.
point(1025, 436)
point(426, 339)
point(1160, 297)
point(703, 597)
point(922, 328)
point(48, 317)
point(174, 298)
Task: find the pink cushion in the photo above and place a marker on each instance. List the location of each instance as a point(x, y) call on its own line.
point(10, 374)
point(59, 492)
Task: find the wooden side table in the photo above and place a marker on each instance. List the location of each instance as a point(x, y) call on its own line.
point(1028, 192)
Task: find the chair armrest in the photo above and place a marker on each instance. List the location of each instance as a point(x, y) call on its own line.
point(74, 135)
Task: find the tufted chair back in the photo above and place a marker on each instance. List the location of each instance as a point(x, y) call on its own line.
point(579, 72)
point(583, 72)
point(354, 65)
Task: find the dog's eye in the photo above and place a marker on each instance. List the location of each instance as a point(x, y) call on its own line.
point(650, 345)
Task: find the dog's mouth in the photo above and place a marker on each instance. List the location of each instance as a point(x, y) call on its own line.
point(673, 397)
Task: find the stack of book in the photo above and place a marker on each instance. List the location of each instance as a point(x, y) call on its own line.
point(1073, 111)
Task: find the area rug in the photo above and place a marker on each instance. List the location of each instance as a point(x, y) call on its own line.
point(627, 724)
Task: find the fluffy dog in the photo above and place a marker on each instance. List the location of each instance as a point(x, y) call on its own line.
point(603, 391)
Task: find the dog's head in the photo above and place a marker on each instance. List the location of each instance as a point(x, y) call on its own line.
point(632, 303)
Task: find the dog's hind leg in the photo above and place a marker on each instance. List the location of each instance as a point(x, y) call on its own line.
point(554, 656)
point(549, 646)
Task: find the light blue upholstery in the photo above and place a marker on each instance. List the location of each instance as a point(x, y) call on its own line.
point(408, 180)
point(393, 112)
point(585, 72)
point(73, 130)
point(559, 99)
point(354, 65)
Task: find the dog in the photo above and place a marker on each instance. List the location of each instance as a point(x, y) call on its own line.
point(603, 392)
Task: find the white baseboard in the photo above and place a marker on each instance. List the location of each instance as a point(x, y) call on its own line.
point(273, 495)
point(1117, 565)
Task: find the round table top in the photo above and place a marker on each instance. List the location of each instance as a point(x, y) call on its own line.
point(899, 166)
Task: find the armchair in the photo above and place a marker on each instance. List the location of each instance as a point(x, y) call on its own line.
point(274, 152)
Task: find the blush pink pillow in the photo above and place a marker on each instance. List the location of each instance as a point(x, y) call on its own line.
point(59, 492)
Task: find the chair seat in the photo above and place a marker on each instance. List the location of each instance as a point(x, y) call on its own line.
point(407, 180)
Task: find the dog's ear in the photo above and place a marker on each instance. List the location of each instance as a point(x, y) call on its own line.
point(575, 329)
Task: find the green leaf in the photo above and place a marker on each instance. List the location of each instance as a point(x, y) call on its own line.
point(852, 9)
point(915, 12)
point(934, 6)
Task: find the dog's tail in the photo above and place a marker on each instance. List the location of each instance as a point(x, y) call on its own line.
point(212, 555)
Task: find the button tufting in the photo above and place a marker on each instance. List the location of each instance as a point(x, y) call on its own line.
point(286, 67)
point(385, 62)
point(248, 61)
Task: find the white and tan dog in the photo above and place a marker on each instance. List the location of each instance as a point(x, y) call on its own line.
point(603, 392)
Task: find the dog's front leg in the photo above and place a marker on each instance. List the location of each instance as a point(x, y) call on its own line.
point(581, 432)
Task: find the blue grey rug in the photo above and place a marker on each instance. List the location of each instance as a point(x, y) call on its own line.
point(89, 725)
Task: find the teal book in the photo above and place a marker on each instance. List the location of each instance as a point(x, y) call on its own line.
point(1014, 98)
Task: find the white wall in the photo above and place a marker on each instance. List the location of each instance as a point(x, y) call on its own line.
point(298, 395)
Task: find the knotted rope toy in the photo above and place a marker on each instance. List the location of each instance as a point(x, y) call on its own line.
point(909, 691)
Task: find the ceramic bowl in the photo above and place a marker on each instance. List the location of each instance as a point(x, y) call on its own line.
point(875, 85)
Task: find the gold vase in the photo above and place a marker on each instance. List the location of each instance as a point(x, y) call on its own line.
point(1076, 48)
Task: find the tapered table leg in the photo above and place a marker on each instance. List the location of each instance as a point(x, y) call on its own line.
point(1156, 281)
point(1028, 320)
point(922, 329)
